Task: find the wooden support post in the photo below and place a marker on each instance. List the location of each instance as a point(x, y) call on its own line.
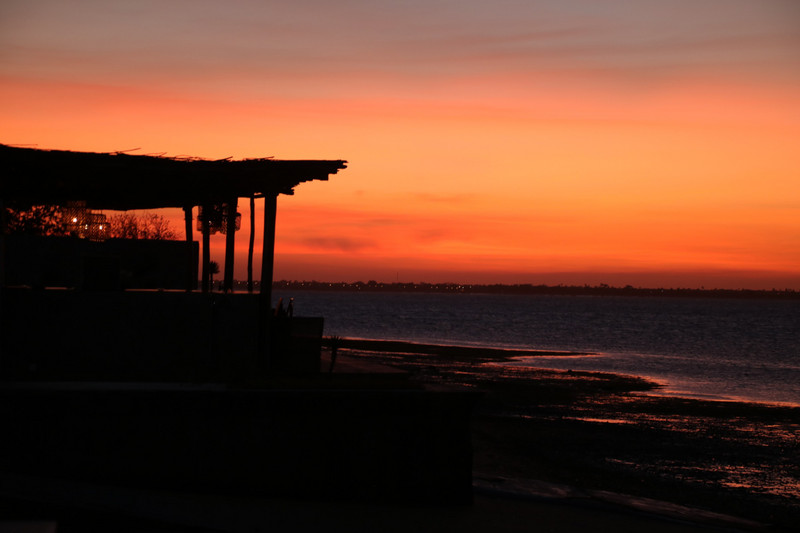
point(191, 267)
point(3, 224)
point(265, 292)
point(206, 244)
point(252, 243)
point(230, 244)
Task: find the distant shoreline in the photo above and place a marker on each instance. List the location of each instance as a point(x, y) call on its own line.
point(529, 289)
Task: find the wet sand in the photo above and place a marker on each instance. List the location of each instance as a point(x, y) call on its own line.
point(605, 432)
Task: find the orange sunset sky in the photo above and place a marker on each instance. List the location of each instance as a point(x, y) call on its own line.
point(651, 143)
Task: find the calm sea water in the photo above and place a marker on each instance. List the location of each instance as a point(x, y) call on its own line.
point(733, 349)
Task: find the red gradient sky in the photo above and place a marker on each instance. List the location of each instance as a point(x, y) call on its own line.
point(647, 143)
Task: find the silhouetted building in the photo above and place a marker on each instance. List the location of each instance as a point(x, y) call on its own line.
point(82, 183)
point(186, 389)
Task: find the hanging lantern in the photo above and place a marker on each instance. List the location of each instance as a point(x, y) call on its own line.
point(217, 218)
point(83, 223)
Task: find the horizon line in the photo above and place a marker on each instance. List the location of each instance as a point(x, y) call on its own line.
point(372, 284)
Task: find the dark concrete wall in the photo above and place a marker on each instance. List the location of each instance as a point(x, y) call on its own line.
point(113, 264)
point(144, 335)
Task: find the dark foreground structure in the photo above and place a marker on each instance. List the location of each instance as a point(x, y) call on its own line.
point(184, 389)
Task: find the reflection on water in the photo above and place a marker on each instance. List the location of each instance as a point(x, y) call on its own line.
point(688, 377)
point(749, 463)
point(702, 347)
point(754, 478)
point(718, 450)
point(753, 469)
point(598, 420)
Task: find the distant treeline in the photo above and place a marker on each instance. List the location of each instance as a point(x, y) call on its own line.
point(576, 290)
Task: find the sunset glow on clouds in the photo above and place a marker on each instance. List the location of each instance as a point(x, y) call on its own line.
point(649, 142)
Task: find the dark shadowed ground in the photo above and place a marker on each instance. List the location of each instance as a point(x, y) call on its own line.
point(604, 432)
point(552, 451)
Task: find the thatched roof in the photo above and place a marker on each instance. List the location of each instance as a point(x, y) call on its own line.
point(123, 181)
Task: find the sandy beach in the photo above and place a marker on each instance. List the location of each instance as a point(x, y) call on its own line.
point(604, 432)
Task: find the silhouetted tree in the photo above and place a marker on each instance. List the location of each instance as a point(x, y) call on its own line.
point(144, 226)
point(123, 226)
point(35, 220)
point(213, 268)
point(157, 226)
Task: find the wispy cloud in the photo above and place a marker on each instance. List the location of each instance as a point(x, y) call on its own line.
point(512, 132)
point(293, 44)
point(450, 199)
point(337, 244)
